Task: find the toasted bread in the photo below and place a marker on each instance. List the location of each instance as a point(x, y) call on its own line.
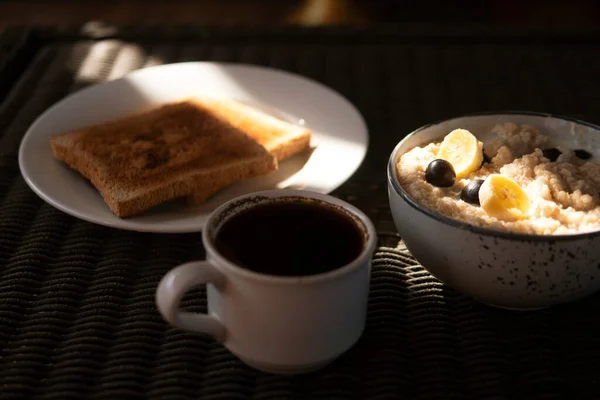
point(146, 159)
point(281, 138)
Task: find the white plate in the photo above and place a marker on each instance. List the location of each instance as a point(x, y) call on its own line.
point(339, 142)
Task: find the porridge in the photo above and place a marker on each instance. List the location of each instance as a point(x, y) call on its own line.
point(521, 182)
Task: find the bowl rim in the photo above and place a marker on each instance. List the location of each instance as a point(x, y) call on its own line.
point(395, 184)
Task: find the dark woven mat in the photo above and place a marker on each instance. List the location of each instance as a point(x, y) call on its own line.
point(77, 314)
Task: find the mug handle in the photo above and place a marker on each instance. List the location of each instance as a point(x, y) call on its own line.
point(174, 285)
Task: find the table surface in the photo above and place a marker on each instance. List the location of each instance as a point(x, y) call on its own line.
point(77, 313)
point(527, 13)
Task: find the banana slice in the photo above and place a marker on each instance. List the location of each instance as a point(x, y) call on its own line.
point(461, 149)
point(503, 198)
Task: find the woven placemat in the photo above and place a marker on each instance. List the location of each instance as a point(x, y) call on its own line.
point(77, 313)
point(16, 47)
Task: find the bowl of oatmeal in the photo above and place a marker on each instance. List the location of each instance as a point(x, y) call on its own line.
point(504, 207)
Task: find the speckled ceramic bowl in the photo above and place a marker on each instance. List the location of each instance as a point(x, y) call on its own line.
point(503, 269)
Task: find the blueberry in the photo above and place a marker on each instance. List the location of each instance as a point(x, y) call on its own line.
point(486, 159)
point(583, 154)
point(470, 193)
point(440, 173)
point(551, 154)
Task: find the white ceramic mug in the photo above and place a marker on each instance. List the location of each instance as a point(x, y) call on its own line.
point(276, 324)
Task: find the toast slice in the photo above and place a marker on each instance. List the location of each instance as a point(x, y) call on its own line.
point(279, 137)
point(146, 159)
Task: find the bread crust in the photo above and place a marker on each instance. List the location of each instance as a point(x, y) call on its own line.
point(146, 159)
point(279, 137)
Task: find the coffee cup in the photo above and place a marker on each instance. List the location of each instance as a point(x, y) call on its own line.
point(287, 277)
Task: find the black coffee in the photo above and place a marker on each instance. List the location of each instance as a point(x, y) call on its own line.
point(290, 238)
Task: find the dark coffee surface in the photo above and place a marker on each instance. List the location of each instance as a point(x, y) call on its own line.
point(290, 238)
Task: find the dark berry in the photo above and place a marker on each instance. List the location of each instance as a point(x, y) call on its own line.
point(470, 193)
point(583, 154)
point(486, 159)
point(440, 173)
point(551, 154)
